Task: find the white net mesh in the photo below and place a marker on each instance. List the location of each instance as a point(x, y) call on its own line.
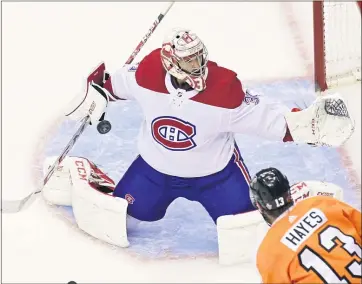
point(342, 26)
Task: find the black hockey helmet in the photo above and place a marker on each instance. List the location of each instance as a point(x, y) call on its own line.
point(270, 193)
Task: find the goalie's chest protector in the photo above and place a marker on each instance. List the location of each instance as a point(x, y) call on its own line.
point(182, 132)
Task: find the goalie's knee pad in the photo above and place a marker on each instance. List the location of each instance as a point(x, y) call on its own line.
point(237, 237)
point(80, 184)
point(310, 188)
point(58, 188)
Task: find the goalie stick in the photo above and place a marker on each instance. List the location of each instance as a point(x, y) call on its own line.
point(17, 205)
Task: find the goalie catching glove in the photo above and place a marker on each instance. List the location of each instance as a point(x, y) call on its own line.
point(326, 122)
point(81, 184)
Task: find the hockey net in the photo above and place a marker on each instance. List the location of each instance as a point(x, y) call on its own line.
point(337, 43)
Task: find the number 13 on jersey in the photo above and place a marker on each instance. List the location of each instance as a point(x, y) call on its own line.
point(326, 261)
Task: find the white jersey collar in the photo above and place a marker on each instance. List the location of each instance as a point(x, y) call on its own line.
point(177, 91)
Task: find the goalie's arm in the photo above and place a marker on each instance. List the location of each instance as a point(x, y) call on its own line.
point(118, 86)
point(326, 121)
point(122, 83)
point(258, 115)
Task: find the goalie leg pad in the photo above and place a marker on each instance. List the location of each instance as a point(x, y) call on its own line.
point(310, 188)
point(101, 215)
point(59, 187)
point(236, 237)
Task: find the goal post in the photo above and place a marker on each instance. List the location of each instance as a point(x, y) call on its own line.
point(337, 43)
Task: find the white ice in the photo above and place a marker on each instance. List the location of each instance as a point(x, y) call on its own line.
point(48, 50)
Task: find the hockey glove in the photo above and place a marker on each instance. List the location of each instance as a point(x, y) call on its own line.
point(94, 100)
point(326, 122)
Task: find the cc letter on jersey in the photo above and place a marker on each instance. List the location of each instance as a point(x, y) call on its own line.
point(173, 133)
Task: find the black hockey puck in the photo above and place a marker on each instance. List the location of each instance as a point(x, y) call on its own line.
point(104, 127)
point(72, 282)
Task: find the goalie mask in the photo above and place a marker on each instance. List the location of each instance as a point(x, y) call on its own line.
point(270, 193)
point(185, 57)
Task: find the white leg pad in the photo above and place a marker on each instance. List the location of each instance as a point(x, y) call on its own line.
point(237, 237)
point(98, 214)
point(310, 188)
point(59, 187)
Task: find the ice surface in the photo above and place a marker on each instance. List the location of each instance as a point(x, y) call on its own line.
point(48, 48)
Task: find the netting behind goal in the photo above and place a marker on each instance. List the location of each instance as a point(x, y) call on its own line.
point(337, 43)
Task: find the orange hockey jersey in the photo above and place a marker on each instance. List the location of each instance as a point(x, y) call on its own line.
point(316, 241)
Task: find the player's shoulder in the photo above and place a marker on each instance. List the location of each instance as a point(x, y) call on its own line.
point(318, 201)
point(150, 73)
point(223, 88)
point(313, 211)
point(302, 208)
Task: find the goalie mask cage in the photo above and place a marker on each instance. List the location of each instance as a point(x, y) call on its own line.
point(337, 43)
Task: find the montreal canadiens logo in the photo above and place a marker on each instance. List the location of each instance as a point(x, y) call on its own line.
point(173, 133)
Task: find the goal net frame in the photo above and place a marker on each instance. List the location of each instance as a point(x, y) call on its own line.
point(325, 78)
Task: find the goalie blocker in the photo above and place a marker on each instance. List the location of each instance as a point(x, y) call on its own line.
point(79, 183)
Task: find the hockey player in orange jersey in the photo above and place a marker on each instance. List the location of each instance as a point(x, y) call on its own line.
point(317, 240)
